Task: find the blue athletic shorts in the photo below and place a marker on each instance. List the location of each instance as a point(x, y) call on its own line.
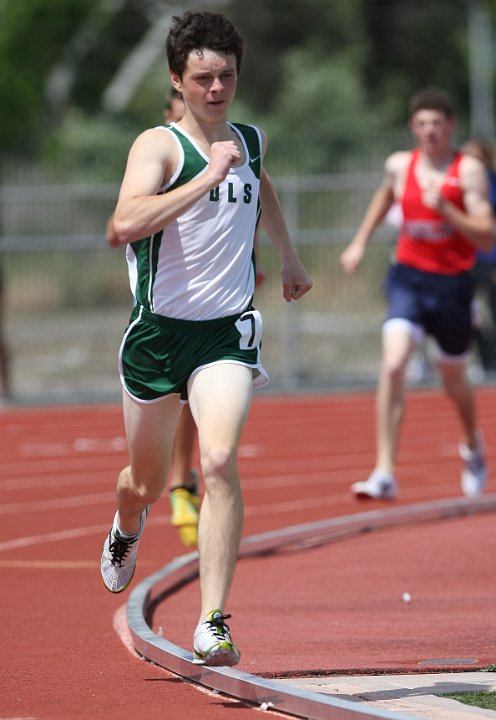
point(441, 304)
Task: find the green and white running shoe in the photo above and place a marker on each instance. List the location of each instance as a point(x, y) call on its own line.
point(212, 642)
point(119, 556)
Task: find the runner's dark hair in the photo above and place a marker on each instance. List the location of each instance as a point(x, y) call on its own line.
point(201, 31)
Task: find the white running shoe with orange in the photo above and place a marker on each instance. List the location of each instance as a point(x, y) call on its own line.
point(379, 486)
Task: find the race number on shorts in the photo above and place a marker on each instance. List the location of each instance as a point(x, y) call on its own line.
point(249, 326)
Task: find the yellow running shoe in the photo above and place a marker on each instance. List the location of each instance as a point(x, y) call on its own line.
point(185, 511)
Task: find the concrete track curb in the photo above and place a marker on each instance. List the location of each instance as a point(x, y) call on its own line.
point(274, 694)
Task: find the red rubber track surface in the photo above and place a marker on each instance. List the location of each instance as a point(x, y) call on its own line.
point(333, 608)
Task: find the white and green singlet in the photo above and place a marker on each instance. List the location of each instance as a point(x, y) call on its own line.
point(193, 281)
point(200, 266)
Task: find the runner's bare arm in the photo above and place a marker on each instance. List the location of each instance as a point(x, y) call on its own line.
point(295, 280)
point(476, 223)
point(381, 202)
point(140, 212)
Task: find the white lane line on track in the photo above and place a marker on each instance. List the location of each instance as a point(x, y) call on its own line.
point(98, 498)
point(57, 503)
point(250, 511)
point(70, 478)
point(59, 565)
point(49, 565)
point(67, 478)
point(62, 535)
point(52, 537)
point(98, 445)
point(78, 445)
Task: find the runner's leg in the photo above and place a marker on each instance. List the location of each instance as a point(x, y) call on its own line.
point(220, 398)
point(460, 392)
point(184, 441)
point(150, 429)
point(397, 345)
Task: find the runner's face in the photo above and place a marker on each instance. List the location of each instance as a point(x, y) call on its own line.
point(208, 83)
point(432, 130)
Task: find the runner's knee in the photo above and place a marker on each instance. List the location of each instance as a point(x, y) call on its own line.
point(219, 468)
point(145, 486)
point(394, 368)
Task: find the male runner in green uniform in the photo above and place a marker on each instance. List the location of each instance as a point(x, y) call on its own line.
point(188, 210)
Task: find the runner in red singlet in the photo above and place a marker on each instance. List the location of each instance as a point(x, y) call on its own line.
point(429, 288)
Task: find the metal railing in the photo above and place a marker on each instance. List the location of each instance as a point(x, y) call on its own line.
point(68, 299)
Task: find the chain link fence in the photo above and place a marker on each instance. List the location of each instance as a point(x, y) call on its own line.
point(67, 295)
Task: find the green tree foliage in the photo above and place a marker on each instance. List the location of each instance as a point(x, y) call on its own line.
point(123, 30)
point(414, 43)
point(32, 34)
point(325, 28)
point(314, 105)
point(326, 77)
point(308, 59)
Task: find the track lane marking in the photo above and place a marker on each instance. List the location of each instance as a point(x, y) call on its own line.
point(250, 511)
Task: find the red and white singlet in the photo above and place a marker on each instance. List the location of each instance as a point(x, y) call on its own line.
point(427, 241)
